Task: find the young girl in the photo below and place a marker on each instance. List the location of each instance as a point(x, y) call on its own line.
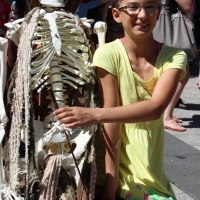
point(138, 78)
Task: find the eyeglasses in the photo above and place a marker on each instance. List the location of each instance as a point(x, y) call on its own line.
point(135, 9)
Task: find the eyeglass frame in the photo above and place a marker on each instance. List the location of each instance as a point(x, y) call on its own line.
point(139, 9)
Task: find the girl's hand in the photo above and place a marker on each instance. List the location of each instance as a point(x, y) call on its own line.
point(74, 117)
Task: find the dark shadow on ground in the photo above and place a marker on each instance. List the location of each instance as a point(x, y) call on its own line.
point(193, 106)
point(193, 122)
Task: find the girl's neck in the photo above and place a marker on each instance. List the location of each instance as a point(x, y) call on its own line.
point(141, 47)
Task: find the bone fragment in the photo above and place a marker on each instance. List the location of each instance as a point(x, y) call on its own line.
point(100, 29)
point(42, 12)
point(54, 3)
point(51, 17)
point(13, 31)
point(67, 77)
point(3, 68)
point(44, 60)
point(57, 84)
point(41, 49)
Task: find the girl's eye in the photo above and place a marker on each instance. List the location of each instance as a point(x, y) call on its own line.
point(134, 7)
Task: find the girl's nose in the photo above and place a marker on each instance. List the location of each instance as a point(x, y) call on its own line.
point(142, 12)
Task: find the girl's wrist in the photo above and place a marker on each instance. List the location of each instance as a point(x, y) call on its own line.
point(97, 115)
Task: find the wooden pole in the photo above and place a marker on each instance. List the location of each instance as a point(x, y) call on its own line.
point(72, 5)
point(33, 3)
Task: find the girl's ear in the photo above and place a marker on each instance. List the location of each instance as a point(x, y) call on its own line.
point(116, 15)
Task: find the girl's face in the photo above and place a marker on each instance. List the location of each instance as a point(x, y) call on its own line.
point(138, 17)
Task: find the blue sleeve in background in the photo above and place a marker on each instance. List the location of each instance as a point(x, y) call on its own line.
point(83, 8)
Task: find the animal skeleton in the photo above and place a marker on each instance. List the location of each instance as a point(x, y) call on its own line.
point(54, 52)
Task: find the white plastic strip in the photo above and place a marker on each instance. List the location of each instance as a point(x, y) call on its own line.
point(3, 55)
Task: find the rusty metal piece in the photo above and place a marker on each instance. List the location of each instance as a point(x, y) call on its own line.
point(53, 100)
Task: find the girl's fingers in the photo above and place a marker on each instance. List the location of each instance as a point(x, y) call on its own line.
point(66, 119)
point(62, 110)
point(62, 113)
point(74, 116)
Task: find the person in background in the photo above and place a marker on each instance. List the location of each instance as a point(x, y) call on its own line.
point(198, 80)
point(104, 8)
point(132, 73)
point(196, 21)
point(86, 5)
point(19, 9)
point(171, 122)
point(5, 6)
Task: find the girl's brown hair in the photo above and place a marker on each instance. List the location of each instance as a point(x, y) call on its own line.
point(116, 3)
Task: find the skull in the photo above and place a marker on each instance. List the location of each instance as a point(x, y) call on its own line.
point(55, 3)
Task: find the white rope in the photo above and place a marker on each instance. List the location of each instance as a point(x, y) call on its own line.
point(21, 98)
point(49, 181)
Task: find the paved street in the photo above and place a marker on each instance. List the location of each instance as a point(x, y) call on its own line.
point(182, 149)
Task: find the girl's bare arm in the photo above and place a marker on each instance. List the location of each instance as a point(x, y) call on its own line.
point(137, 112)
point(111, 133)
point(187, 6)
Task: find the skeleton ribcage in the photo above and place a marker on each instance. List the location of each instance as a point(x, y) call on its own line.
point(62, 62)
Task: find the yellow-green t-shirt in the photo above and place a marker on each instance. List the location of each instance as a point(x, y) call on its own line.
point(141, 156)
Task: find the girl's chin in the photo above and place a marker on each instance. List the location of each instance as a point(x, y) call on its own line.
point(142, 31)
point(141, 34)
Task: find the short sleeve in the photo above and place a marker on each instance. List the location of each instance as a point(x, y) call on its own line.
point(105, 57)
point(176, 59)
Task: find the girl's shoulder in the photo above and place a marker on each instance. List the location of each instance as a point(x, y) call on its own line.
point(170, 57)
point(110, 48)
point(169, 52)
point(112, 44)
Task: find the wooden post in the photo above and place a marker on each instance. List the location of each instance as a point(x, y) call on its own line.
point(72, 5)
point(32, 3)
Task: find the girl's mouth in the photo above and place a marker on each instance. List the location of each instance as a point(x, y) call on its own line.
point(141, 26)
